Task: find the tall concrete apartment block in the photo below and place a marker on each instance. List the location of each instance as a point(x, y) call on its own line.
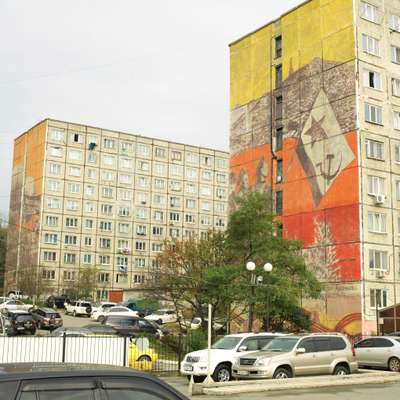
point(84, 196)
point(315, 117)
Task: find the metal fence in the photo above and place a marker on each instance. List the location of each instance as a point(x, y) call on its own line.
point(143, 353)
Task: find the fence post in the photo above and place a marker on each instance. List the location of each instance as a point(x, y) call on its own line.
point(179, 351)
point(64, 342)
point(124, 361)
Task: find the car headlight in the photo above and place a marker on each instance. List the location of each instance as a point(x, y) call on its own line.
point(262, 362)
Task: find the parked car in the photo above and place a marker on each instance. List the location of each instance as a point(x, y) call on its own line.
point(132, 326)
point(101, 330)
point(102, 306)
point(4, 325)
point(223, 354)
point(163, 316)
point(21, 322)
point(83, 381)
point(47, 318)
point(379, 352)
point(307, 354)
point(57, 301)
point(141, 355)
point(17, 294)
point(79, 308)
point(197, 322)
point(71, 332)
point(12, 305)
point(116, 310)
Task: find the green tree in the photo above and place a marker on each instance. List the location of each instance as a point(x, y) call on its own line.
point(85, 284)
point(254, 233)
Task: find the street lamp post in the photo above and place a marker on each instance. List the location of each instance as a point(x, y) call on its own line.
point(254, 281)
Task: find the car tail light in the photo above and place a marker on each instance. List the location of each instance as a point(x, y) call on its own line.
point(353, 350)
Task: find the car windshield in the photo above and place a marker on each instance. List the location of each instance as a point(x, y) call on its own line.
point(281, 345)
point(226, 343)
point(24, 317)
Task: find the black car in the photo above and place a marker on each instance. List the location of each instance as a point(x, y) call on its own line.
point(80, 381)
point(57, 301)
point(21, 322)
point(101, 329)
point(131, 326)
point(47, 318)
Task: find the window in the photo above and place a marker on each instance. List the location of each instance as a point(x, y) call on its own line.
point(278, 47)
point(55, 151)
point(395, 52)
point(72, 205)
point(278, 76)
point(378, 260)
point(206, 160)
point(69, 275)
point(56, 168)
point(108, 176)
point(69, 258)
point(158, 230)
point(125, 195)
point(158, 216)
point(90, 190)
point(122, 261)
point(50, 238)
point(279, 139)
point(372, 79)
point(49, 256)
point(220, 207)
point(190, 203)
point(142, 181)
point(142, 197)
point(89, 224)
point(159, 199)
point(92, 157)
point(77, 138)
point(278, 107)
point(105, 260)
point(125, 179)
point(175, 217)
point(109, 143)
point(394, 22)
point(190, 218)
point(48, 274)
point(140, 246)
point(126, 147)
point(123, 244)
point(105, 226)
point(141, 230)
point(221, 178)
point(106, 209)
point(51, 220)
point(104, 277)
point(375, 149)
point(396, 120)
point(175, 201)
point(57, 136)
point(205, 220)
point(105, 243)
point(191, 188)
point(141, 213)
point(279, 171)
point(369, 12)
point(397, 190)
point(124, 211)
point(206, 175)
point(221, 193)
point(160, 152)
point(176, 170)
point(138, 279)
point(378, 298)
point(126, 162)
point(157, 247)
point(205, 206)
point(220, 222)
point(88, 241)
point(376, 185)
point(278, 202)
point(75, 171)
point(159, 169)
point(396, 87)
point(143, 165)
point(71, 222)
point(221, 163)
point(176, 186)
point(87, 259)
point(53, 186)
point(159, 183)
point(140, 262)
point(370, 45)
point(53, 203)
point(107, 192)
point(191, 173)
point(176, 155)
point(192, 158)
point(373, 113)
point(123, 228)
point(397, 153)
point(377, 222)
point(108, 160)
point(75, 155)
point(143, 150)
point(74, 188)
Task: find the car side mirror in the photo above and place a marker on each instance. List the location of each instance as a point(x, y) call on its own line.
point(242, 348)
point(300, 350)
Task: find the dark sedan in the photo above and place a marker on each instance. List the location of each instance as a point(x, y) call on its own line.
point(132, 326)
point(47, 318)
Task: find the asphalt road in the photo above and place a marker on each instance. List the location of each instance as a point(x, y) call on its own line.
point(364, 392)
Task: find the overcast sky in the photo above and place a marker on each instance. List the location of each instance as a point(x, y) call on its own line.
point(159, 68)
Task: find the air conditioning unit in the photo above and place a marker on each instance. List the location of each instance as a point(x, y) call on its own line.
point(123, 269)
point(143, 202)
point(125, 251)
point(380, 274)
point(279, 179)
point(92, 145)
point(380, 199)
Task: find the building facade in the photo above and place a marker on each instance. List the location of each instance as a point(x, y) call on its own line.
point(315, 119)
point(87, 197)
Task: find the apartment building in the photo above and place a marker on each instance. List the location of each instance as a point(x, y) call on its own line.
point(84, 197)
point(315, 119)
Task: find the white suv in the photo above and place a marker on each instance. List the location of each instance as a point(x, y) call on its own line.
point(223, 354)
point(79, 308)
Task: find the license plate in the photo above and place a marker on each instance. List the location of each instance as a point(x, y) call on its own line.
point(188, 368)
point(242, 372)
point(20, 328)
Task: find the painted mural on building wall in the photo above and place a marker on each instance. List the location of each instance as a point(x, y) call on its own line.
point(319, 152)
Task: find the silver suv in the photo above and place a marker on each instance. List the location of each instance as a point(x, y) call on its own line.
point(288, 356)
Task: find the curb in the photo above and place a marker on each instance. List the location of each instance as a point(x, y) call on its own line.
point(237, 387)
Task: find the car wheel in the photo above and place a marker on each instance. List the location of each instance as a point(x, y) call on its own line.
point(282, 373)
point(222, 373)
point(341, 370)
point(144, 358)
point(74, 313)
point(101, 319)
point(159, 322)
point(394, 364)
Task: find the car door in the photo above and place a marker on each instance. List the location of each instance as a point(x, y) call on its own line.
point(382, 351)
point(304, 363)
point(363, 351)
point(324, 355)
